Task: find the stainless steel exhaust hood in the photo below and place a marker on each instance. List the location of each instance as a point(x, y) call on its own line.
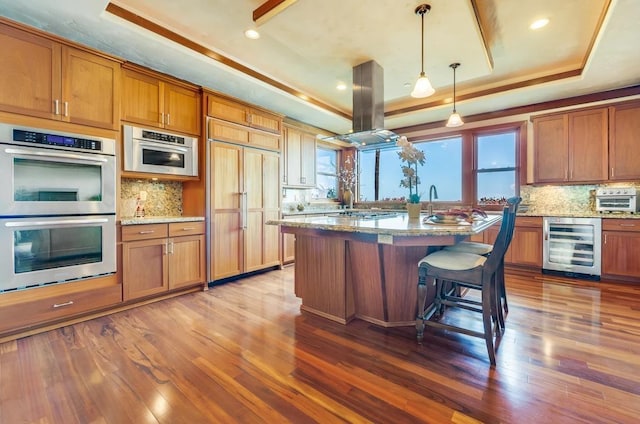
point(368, 109)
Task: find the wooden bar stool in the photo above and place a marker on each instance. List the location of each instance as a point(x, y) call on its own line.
point(485, 249)
point(467, 270)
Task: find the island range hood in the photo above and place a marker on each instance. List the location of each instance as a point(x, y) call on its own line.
point(368, 109)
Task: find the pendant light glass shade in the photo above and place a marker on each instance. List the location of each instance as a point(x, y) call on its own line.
point(454, 120)
point(423, 86)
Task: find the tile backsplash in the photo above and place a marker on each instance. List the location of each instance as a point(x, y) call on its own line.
point(164, 198)
point(562, 200)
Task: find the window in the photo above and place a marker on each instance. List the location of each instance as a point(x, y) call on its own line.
point(496, 167)
point(443, 167)
point(326, 173)
point(479, 166)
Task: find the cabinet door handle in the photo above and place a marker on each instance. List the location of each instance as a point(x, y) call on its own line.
point(61, 305)
point(612, 173)
point(188, 228)
point(66, 108)
point(162, 118)
point(165, 248)
point(171, 247)
point(244, 209)
point(605, 238)
point(627, 225)
point(147, 232)
point(168, 119)
point(56, 107)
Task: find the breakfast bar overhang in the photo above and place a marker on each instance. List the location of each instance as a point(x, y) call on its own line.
point(348, 268)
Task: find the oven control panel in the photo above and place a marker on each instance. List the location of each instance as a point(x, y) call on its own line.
point(56, 140)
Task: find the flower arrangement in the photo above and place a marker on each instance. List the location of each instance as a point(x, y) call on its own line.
point(347, 174)
point(411, 158)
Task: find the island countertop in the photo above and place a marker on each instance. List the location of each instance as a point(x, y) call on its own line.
point(393, 225)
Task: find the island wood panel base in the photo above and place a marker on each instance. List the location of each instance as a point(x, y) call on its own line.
point(342, 279)
point(322, 278)
point(384, 280)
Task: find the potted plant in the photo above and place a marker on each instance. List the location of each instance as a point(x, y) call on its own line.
point(411, 158)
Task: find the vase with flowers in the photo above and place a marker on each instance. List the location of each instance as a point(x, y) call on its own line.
point(410, 157)
point(347, 177)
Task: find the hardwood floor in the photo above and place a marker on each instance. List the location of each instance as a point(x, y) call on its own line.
point(243, 352)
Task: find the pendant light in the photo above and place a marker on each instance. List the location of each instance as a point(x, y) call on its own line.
point(454, 120)
point(423, 87)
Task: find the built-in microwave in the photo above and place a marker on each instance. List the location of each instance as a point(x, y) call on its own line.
point(152, 151)
point(46, 172)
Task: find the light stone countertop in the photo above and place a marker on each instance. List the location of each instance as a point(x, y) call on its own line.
point(159, 220)
point(620, 215)
point(398, 225)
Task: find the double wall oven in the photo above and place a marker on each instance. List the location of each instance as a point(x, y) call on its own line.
point(57, 207)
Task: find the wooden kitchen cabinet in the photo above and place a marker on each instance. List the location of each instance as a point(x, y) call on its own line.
point(571, 147)
point(245, 195)
point(526, 245)
point(233, 111)
point(51, 80)
point(288, 248)
point(157, 258)
point(24, 309)
point(156, 101)
point(621, 249)
point(624, 130)
point(219, 130)
point(300, 158)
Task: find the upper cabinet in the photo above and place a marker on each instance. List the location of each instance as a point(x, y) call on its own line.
point(624, 139)
point(571, 147)
point(236, 122)
point(154, 100)
point(51, 80)
point(240, 113)
point(300, 157)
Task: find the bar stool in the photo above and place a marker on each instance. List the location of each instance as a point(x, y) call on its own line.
point(485, 249)
point(467, 270)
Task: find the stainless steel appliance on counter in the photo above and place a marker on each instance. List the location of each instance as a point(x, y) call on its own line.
point(617, 199)
point(571, 246)
point(147, 150)
point(57, 207)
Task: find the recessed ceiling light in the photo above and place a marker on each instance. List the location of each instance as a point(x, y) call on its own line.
point(537, 24)
point(341, 86)
point(252, 34)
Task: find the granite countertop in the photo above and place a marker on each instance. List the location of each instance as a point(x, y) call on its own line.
point(159, 220)
point(620, 215)
point(398, 225)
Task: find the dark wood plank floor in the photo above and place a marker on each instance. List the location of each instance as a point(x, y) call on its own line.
point(243, 352)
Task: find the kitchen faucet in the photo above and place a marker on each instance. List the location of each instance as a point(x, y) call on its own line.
point(433, 194)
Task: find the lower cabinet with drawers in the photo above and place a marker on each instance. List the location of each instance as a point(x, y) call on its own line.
point(158, 258)
point(22, 310)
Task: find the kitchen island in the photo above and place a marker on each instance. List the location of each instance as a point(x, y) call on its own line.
point(353, 267)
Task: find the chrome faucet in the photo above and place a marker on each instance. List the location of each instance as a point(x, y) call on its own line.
point(433, 194)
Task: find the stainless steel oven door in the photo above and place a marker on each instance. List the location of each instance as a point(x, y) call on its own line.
point(41, 181)
point(36, 251)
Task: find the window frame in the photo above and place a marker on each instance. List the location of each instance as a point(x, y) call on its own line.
point(339, 154)
point(469, 159)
